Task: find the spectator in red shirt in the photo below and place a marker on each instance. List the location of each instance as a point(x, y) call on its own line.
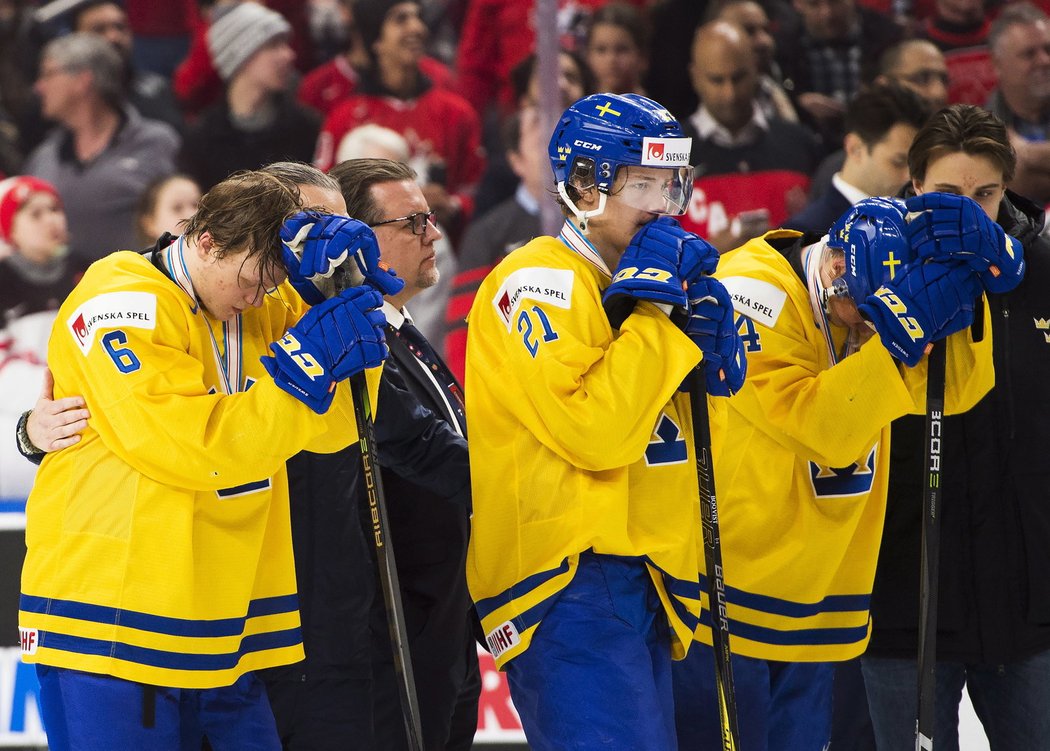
point(328, 85)
point(442, 129)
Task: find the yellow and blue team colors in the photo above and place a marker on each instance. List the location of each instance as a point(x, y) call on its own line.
point(802, 463)
point(579, 440)
point(159, 548)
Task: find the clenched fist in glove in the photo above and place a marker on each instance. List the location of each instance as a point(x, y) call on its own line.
point(332, 341)
point(926, 302)
point(711, 325)
point(314, 245)
point(950, 227)
point(660, 261)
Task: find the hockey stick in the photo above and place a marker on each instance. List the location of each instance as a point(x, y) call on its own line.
point(931, 548)
point(344, 276)
point(395, 613)
point(716, 587)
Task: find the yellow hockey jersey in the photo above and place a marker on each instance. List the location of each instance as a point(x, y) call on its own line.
point(802, 463)
point(159, 547)
point(578, 441)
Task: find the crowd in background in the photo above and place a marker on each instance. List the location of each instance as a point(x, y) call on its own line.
point(108, 99)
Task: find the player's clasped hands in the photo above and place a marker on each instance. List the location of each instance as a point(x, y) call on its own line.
point(314, 245)
point(960, 253)
point(951, 227)
point(661, 259)
point(334, 340)
point(660, 264)
point(925, 302)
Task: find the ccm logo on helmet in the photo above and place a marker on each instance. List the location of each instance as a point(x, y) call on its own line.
point(586, 145)
point(666, 152)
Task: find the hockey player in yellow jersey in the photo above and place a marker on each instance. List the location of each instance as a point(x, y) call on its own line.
point(159, 569)
point(586, 531)
point(836, 331)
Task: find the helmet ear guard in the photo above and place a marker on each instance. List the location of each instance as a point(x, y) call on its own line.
point(873, 239)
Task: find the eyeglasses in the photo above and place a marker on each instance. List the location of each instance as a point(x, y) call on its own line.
point(418, 221)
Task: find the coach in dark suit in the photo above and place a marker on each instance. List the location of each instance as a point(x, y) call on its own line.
point(429, 531)
point(819, 214)
point(881, 123)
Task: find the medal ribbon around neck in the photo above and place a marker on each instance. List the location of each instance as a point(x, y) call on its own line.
point(230, 359)
point(578, 243)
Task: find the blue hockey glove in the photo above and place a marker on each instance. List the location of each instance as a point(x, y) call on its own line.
point(660, 261)
point(314, 245)
point(332, 341)
point(925, 303)
point(955, 228)
point(712, 327)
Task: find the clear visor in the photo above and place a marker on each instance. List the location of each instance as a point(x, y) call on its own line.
point(833, 266)
point(660, 190)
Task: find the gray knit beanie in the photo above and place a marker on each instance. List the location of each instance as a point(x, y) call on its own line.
point(240, 32)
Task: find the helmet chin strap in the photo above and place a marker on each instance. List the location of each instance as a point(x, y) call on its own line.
point(581, 216)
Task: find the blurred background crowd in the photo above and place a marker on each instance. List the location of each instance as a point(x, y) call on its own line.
point(116, 115)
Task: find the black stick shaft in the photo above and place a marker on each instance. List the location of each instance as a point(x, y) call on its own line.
point(395, 613)
point(716, 589)
point(931, 548)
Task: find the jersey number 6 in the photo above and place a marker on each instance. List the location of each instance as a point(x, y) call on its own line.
point(122, 356)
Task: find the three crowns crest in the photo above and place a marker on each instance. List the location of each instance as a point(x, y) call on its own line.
point(1043, 324)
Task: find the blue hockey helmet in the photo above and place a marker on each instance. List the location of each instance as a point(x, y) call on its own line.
point(874, 241)
point(600, 133)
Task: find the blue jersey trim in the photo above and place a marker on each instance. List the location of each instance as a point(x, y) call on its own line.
point(799, 637)
point(790, 609)
point(171, 660)
point(679, 588)
point(522, 588)
point(245, 489)
point(156, 624)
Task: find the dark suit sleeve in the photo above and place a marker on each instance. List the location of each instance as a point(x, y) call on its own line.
point(417, 444)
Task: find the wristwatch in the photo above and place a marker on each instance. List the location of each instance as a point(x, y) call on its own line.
point(25, 446)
